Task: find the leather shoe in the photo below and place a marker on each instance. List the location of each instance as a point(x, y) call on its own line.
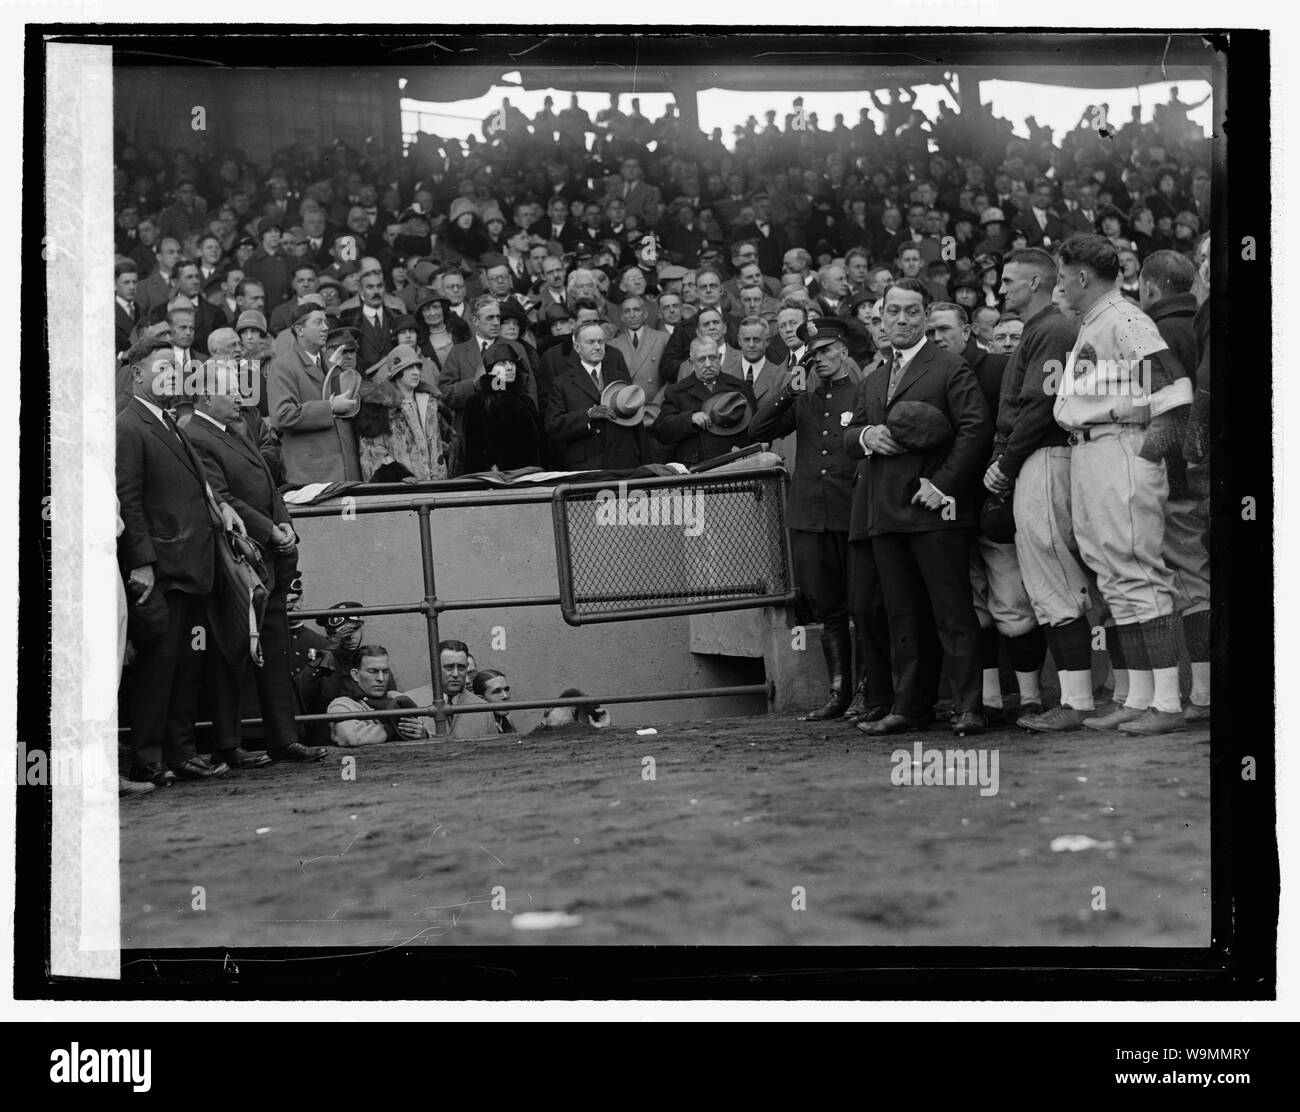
point(1059, 720)
point(1194, 715)
point(968, 722)
point(199, 768)
point(127, 787)
point(157, 774)
point(242, 758)
point(871, 714)
point(893, 724)
point(858, 707)
point(297, 752)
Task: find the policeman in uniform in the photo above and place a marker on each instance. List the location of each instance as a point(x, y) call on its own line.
point(820, 492)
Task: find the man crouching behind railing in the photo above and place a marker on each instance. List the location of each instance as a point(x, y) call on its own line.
point(370, 688)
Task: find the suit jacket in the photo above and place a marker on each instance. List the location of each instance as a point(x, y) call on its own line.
point(1076, 221)
point(562, 357)
point(1056, 230)
point(988, 369)
point(238, 474)
point(162, 495)
point(153, 291)
point(207, 319)
point(771, 247)
point(677, 355)
point(956, 467)
point(315, 445)
point(600, 445)
point(123, 325)
point(272, 271)
point(640, 202)
point(682, 400)
point(374, 343)
point(643, 363)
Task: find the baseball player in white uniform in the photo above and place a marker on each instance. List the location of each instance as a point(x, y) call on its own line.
point(1032, 453)
point(1123, 398)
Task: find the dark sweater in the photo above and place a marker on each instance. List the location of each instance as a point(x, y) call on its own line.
point(1025, 422)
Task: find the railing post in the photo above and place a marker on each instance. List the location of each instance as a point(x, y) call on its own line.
point(441, 723)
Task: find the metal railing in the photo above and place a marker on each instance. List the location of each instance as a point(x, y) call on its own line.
point(776, 590)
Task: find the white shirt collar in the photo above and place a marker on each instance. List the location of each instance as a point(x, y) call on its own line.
point(154, 409)
point(126, 305)
point(906, 355)
point(591, 368)
point(208, 417)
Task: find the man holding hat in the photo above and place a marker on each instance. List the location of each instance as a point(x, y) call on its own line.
point(818, 506)
point(311, 408)
point(595, 419)
point(707, 413)
point(922, 491)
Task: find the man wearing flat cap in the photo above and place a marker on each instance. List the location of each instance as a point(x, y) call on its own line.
point(921, 505)
point(819, 502)
point(687, 421)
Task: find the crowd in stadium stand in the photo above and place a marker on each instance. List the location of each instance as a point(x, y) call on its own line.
point(623, 293)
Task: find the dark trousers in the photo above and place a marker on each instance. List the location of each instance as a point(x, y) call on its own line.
point(821, 572)
point(926, 582)
point(164, 686)
point(274, 682)
point(871, 623)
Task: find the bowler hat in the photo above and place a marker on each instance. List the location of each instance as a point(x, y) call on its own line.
point(625, 401)
point(728, 411)
point(918, 426)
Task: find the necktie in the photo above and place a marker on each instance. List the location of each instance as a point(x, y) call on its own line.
point(749, 373)
point(482, 351)
point(595, 376)
point(635, 342)
point(895, 374)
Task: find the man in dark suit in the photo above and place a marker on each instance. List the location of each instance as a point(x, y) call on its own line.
point(167, 553)
point(207, 316)
point(771, 239)
point(239, 475)
point(125, 314)
point(1040, 225)
point(563, 356)
point(922, 494)
point(819, 501)
point(585, 436)
point(683, 423)
point(372, 319)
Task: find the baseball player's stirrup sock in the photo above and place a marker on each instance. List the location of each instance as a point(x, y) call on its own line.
point(1141, 684)
point(989, 664)
point(1196, 632)
point(1118, 665)
point(1073, 652)
point(1161, 638)
point(1027, 652)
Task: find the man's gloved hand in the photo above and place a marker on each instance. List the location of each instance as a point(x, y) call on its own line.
point(1164, 438)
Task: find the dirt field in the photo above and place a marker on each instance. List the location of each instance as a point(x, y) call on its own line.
point(741, 812)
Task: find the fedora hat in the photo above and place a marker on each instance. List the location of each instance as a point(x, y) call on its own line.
point(728, 411)
point(625, 401)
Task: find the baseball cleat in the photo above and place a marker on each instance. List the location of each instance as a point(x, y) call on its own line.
point(1153, 722)
point(1058, 720)
point(1114, 719)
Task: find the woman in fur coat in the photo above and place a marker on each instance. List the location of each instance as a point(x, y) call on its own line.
point(402, 431)
point(502, 429)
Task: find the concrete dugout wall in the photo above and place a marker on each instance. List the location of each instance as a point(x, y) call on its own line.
point(499, 552)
